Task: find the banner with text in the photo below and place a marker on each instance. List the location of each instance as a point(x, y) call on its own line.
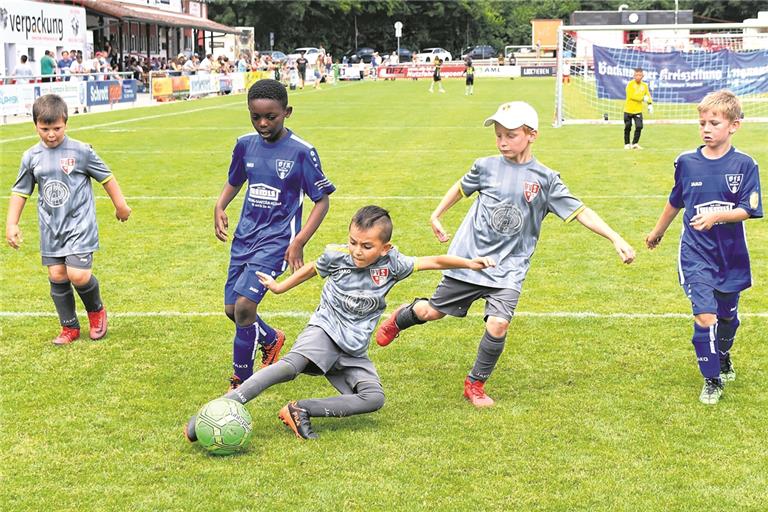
point(680, 77)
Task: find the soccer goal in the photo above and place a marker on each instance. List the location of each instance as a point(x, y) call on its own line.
point(681, 63)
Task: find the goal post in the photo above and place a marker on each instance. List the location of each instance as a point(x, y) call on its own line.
point(681, 64)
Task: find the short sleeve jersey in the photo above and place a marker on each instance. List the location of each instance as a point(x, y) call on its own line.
point(718, 257)
point(65, 206)
point(352, 299)
point(505, 220)
point(278, 176)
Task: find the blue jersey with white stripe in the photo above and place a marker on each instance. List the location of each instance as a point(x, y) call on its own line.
point(718, 257)
point(278, 176)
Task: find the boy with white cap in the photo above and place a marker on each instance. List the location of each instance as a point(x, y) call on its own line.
point(515, 193)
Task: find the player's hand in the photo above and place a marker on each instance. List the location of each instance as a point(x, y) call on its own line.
point(703, 221)
point(625, 251)
point(650, 108)
point(220, 224)
point(295, 255)
point(13, 235)
point(481, 263)
point(123, 212)
point(267, 280)
point(653, 240)
point(439, 231)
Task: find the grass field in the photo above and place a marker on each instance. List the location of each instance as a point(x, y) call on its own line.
point(597, 391)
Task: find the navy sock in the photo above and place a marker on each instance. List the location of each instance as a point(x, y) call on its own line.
point(705, 344)
point(267, 334)
point(243, 351)
point(726, 332)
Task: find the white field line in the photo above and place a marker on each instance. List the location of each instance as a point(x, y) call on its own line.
point(356, 198)
point(306, 314)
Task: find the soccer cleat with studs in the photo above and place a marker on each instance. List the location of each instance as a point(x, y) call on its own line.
point(297, 419)
point(67, 336)
point(271, 353)
point(727, 373)
point(98, 324)
point(711, 392)
point(388, 330)
point(189, 429)
point(475, 393)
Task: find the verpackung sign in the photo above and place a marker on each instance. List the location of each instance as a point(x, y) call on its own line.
point(36, 22)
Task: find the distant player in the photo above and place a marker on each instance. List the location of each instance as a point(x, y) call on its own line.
point(719, 188)
point(469, 71)
point(436, 78)
point(515, 192)
point(335, 342)
point(62, 169)
point(280, 169)
point(637, 92)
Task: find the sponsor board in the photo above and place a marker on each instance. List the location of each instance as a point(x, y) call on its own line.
point(105, 92)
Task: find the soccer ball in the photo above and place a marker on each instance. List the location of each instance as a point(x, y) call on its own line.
point(223, 426)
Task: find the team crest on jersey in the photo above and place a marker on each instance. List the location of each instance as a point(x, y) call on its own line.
point(67, 165)
point(283, 167)
point(530, 190)
point(379, 275)
point(733, 181)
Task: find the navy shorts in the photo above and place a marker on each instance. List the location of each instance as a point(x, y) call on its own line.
point(705, 299)
point(243, 282)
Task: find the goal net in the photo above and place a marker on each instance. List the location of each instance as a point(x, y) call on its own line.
point(681, 64)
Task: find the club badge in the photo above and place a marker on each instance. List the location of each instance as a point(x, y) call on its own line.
point(734, 182)
point(530, 190)
point(283, 167)
point(379, 275)
point(67, 165)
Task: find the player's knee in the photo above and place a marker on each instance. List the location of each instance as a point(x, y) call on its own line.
point(78, 277)
point(496, 327)
point(424, 311)
point(372, 394)
point(229, 310)
point(245, 312)
point(705, 319)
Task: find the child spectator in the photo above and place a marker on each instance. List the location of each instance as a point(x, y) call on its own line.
point(62, 168)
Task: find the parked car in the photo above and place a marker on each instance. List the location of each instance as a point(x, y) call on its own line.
point(405, 55)
point(361, 54)
point(429, 54)
point(482, 51)
point(310, 53)
point(276, 55)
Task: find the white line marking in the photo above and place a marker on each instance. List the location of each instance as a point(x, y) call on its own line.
point(307, 314)
point(355, 198)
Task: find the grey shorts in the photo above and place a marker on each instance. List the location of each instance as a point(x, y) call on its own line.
point(342, 370)
point(453, 297)
point(82, 261)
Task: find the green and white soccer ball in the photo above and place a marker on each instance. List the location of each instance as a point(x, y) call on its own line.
point(223, 426)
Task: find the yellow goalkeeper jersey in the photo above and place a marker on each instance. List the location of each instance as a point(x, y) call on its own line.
point(635, 94)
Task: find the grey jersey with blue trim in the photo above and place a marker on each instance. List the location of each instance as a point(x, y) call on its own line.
point(505, 220)
point(65, 206)
point(352, 300)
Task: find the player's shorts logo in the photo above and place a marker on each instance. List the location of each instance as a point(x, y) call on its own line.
point(55, 193)
point(379, 275)
point(530, 190)
point(734, 182)
point(67, 165)
point(507, 220)
point(359, 305)
point(283, 167)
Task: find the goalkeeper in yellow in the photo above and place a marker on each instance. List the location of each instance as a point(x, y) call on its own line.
point(637, 93)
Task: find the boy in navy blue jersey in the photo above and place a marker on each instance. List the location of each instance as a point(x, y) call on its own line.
point(280, 169)
point(719, 188)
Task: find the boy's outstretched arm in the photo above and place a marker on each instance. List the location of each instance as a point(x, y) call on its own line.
point(12, 230)
point(220, 220)
point(592, 221)
point(295, 253)
point(122, 210)
point(449, 199)
point(665, 219)
point(444, 262)
point(304, 273)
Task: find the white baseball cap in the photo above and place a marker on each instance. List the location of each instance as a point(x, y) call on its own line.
point(514, 115)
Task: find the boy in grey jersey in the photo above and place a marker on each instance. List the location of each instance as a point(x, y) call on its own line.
point(335, 342)
point(515, 192)
point(62, 168)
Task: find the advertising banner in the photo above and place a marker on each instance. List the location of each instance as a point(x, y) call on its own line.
point(528, 71)
point(180, 86)
point(105, 92)
point(681, 77)
point(162, 87)
point(36, 23)
point(201, 85)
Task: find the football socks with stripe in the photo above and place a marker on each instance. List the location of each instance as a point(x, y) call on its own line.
point(705, 343)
